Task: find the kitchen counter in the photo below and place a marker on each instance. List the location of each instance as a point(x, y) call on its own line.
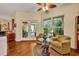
point(3, 45)
point(1, 36)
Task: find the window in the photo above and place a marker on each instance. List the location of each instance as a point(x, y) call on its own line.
point(58, 28)
point(47, 25)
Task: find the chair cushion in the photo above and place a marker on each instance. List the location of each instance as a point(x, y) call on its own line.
point(40, 39)
point(57, 44)
point(62, 38)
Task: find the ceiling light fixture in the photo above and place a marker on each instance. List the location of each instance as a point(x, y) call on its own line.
point(45, 8)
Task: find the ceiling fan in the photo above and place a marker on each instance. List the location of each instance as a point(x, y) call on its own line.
point(45, 6)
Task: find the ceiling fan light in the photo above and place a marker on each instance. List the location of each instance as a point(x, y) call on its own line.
point(46, 7)
point(43, 8)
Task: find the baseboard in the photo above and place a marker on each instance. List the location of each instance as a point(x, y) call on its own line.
point(74, 49)
point(27, 41)
point(77, 50)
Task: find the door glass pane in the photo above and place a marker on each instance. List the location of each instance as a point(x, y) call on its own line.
point(33, 32)
point(32, 28)
point(25, 29)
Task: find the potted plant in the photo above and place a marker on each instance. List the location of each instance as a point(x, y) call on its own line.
point(46, 31)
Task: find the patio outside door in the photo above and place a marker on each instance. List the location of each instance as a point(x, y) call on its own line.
point(25, 29)
point(33, 30)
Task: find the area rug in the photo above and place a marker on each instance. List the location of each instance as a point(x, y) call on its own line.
point(37, 51)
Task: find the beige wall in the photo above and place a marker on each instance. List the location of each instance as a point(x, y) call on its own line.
point(69, 11)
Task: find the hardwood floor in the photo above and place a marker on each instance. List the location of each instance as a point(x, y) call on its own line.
point(25, 49)
point(22, 49)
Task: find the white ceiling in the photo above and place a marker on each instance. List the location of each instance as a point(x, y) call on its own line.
point(7, 10)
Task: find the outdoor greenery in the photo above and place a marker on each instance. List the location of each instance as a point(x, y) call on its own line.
point(47, 26)
point(46, 30)
point(57, 26)
point(58, 31)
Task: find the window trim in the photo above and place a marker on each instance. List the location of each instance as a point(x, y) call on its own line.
point(47, 19)
point(58, 16)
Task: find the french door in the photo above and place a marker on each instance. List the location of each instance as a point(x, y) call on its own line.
point(33, 30)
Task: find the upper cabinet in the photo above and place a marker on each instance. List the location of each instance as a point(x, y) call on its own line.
point(4, 27)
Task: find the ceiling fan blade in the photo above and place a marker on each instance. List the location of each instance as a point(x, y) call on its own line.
point(39, 4)
point(44, 4)
point(39, 9)
point(50, 5)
